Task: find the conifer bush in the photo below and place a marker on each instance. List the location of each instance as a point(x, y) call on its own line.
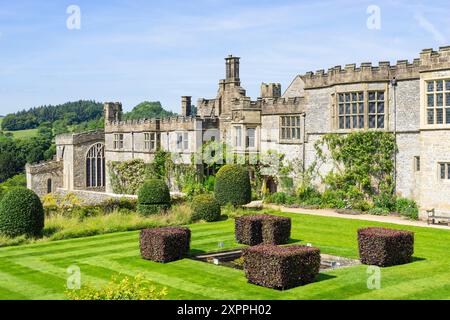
point(21, 213)
point(233, 185)
point(153, 197)
point(205, 207)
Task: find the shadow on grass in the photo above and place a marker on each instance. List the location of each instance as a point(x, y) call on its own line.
point(294, 241)
point(417, 259)
point(324, 277)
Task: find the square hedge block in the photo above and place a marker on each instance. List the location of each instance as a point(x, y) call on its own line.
point(165, 244)
point(256, 229)
point(385, 247)
point(281, 268)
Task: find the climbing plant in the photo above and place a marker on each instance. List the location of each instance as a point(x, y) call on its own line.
point(363, 164)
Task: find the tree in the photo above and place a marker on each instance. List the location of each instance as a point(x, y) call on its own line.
point(148, 110)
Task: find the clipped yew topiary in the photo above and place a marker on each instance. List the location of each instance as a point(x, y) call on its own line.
point(21, 213)
point(153, 197)
point(165, 244)
point(233, 185)
point(281, 268)
point(385, 247)
point(205, 207)
point(268, 229)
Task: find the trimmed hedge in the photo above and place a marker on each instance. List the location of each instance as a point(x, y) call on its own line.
point(385, 247)
point(153, 197)
point(276, 230)
point(233, 185)
point(205, 207)
point(165, 244)
point(256, 229)
point(21, 213)
point(281, 267)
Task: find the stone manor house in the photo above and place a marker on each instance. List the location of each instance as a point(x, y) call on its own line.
point(415, 106)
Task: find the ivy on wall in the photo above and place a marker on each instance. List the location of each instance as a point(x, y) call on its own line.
point(363, 164)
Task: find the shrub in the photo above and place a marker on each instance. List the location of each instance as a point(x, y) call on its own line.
point(277, 198)
point(333, 199)
point(407, 208)
point(281, 267)
point(21, 213)
point(276, 230)
point(233, 185)
point(153, 197)
point(205, 207)
point(385, 247)
point(306, 193)
point(361, 205)
point(256, 229)
point(384, 200)
point(379, 211)
point(248, 230)
point(165, 244)
point(112, 205)
point(133, 289)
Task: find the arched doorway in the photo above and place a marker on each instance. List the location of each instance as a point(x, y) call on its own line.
point(95, 166)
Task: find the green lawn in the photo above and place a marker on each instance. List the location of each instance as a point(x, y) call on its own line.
point(39, 271)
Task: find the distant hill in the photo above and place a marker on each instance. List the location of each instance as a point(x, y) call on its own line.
point(72, 113)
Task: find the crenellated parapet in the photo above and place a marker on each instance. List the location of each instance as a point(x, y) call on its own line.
point(431, 60)
point(178, 123)
point(45, 167)
point(366, 72)
point(282, 105)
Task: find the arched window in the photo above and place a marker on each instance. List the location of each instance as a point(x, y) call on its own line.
point(95, 166)
point(49, 186)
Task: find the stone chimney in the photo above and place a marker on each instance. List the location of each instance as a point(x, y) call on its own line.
point(232, 69)
point(186, 106)
point(113, 111)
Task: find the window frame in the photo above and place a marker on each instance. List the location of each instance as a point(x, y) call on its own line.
point(446, 166)
point(118, 142)
point(150, 141)
point(247, 138)
point(434, 93)
point(365, 103)
point(238, 136)
point(289, 124)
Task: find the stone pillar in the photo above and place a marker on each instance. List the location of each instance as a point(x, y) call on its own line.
point(113, 111)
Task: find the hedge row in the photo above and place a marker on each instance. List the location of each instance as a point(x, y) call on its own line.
point(281, 267)
point(256, 229)
point(165, 244)
point(385, 247)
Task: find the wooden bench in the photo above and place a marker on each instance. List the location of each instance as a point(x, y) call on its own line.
point(433, 216)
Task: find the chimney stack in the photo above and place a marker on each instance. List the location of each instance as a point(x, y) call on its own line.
point(186, 106)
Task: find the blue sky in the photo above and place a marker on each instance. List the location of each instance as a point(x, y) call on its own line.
point(136, 50)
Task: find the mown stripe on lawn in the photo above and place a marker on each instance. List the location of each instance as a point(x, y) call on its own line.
point(58, 246)
point(49, 252)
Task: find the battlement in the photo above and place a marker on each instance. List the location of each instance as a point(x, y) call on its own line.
point(270, 90)
point(44, 167)
point(282, 105)
point(366, 72)
point(435, 60)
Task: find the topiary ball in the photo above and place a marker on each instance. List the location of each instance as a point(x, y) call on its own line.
point(153, 197)
point(21, 213)
point(233, 185)
point(205, 207)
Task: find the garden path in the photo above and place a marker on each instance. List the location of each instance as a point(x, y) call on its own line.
point(332, 213)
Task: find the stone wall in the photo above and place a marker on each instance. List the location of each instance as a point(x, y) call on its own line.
point(44, 178)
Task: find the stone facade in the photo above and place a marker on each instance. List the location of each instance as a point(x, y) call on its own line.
point(341, 100)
